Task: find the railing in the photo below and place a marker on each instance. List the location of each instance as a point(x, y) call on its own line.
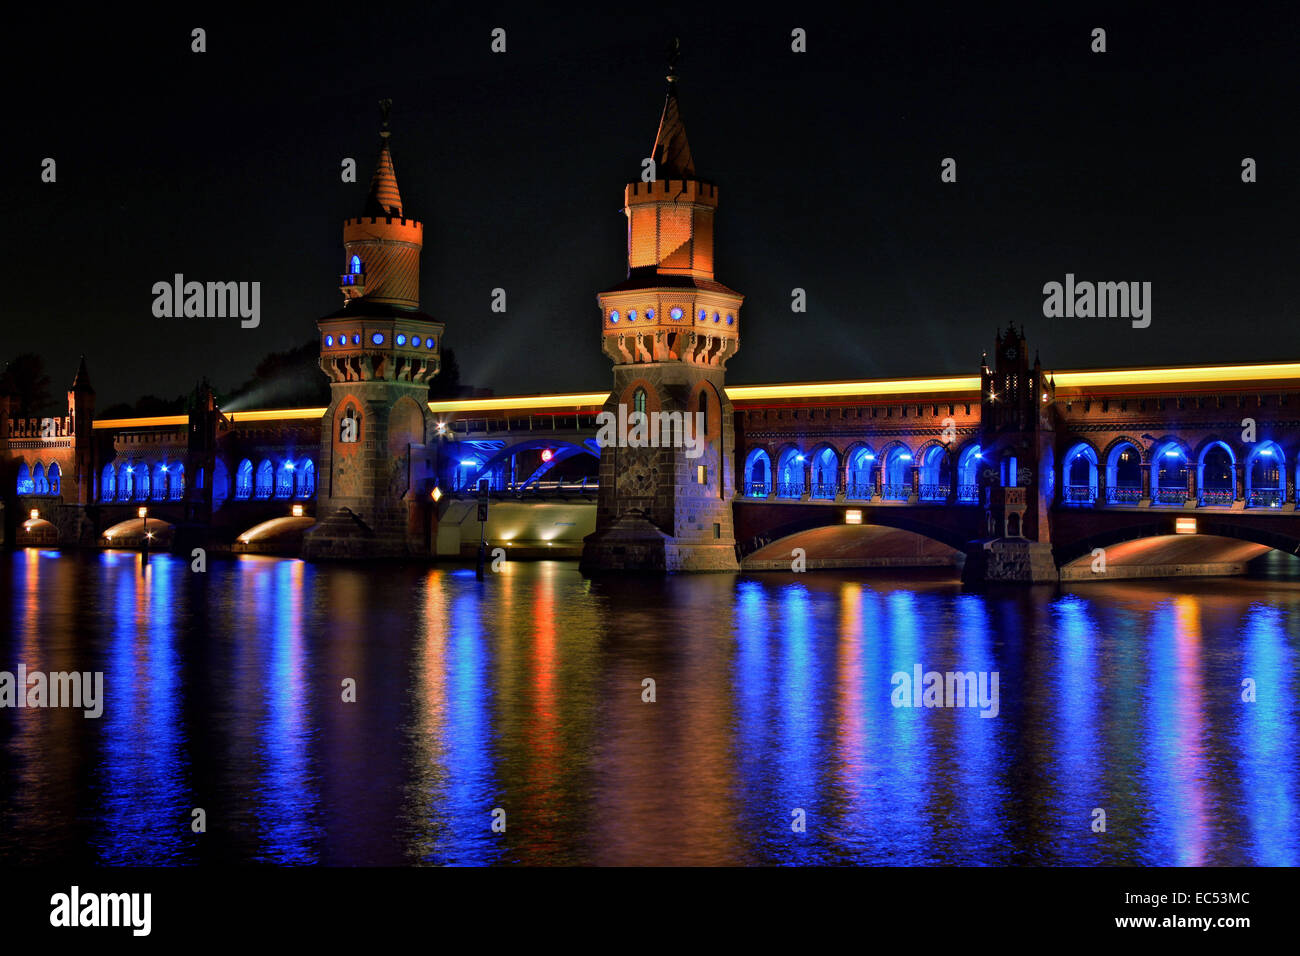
point(757, 489)
point(1266, 498)
point(1217, 497)
point(789, 489)
point(968, 494)
point(859, 490)
point(934, 492)
point(824, 490)
point(1080, 494)
point(1123, 496)
point(1171, 496)
point(896, 492)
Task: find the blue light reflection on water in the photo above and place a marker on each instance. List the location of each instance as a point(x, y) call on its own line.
point(524, 691)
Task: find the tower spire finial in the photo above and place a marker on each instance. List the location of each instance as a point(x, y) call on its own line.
point(674, 54)
point(385, 107)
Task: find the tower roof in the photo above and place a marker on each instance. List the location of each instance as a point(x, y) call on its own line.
point(81, 383)
point(672, 153)
point(384, 199)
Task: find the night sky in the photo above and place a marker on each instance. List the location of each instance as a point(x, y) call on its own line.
point(225, 166)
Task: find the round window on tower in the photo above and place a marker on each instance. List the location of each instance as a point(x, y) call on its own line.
point(329, 341)
point(703, 315)
point(676, 314)
point(429, 342)
point(649, 315)
point(631, 315)
point(377, 338)
point(716, 317)
point(356, 338)
point(415, 341)
point(613, 316)
point(401, 339)
point(731, 320)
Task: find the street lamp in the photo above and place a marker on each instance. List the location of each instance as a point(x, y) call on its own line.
point(143, 515)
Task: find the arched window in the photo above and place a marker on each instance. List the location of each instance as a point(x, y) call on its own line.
point(1081, 473)
point(638, 401)
point(858, 482)
point(825, 473)
point(264, 484)
point(355, 265)
point(1124, 475)
point(704, 405)
point(53, 476)
point(140, 474)
point(789, 470)
point(25, 485)
point(897, 485)
point(244, 480)
point(1169, 474)
point(161, 476)
point(1218, 484)
point(176, 481)
point(108, 483)
point(125, 481)
point(758, 468)
point(968, 465)
point(198, 480)
point(936, 474)
point(1265, 487)
point(306, 478)
point(284, 480)
point(39, 484)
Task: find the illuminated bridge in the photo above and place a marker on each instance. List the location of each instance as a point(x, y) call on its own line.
point(1168, 471)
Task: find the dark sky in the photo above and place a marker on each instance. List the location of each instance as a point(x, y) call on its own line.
point(225, 166)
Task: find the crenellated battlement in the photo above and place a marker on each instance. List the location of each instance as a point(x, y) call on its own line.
point(671, 190)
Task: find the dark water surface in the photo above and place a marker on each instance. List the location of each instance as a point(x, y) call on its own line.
point(224, 691)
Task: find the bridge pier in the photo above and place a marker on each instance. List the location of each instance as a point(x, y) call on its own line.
point(1009, 561)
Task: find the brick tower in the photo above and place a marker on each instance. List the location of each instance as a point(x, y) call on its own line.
point(669, 329)
point(379, 351)
point(1015, 487)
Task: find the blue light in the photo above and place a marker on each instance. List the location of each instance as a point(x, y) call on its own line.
point(613, 316)
point(356, 338)
point(649, 314)
point(703, 315)
point(631, 315)
point(676, 314)
point(356, 265)
point(288, 466)
point(798, 457)
point(468, 462)
point(429, 342)
point(1173, 454)
point(1267, 453)
point(905, 456)
point(415, 341)
point(870, 457)
point(329, 341)
point(716, 317)
point(377, 338)
point(731, 320)
point(401, 339)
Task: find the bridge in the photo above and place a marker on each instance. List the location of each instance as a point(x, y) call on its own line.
point(1167, 470)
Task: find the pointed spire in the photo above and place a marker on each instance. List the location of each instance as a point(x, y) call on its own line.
point(81, 383)
point(672, 153)
point(384, 199)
